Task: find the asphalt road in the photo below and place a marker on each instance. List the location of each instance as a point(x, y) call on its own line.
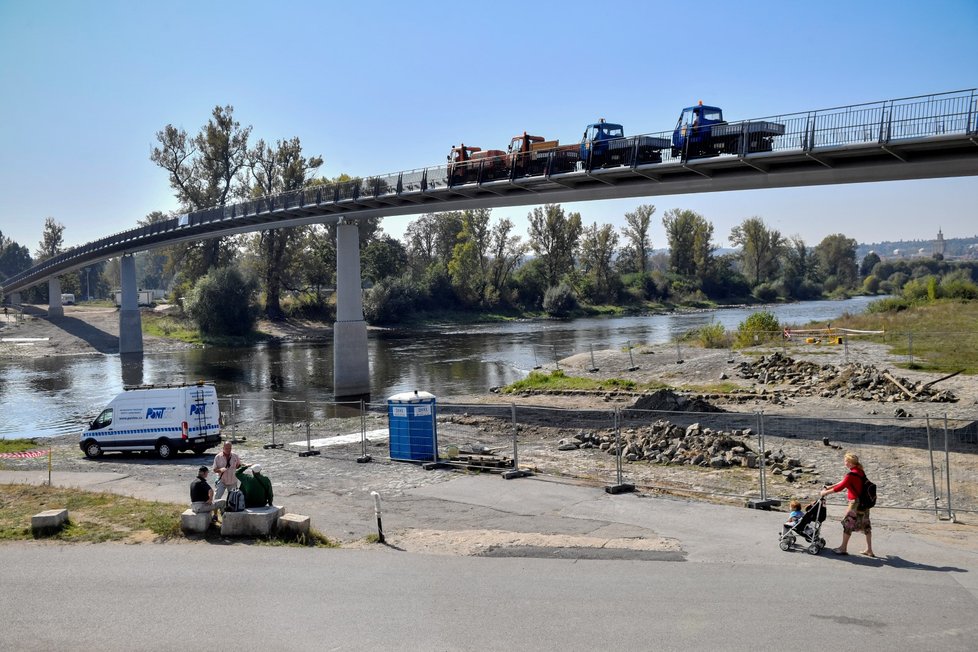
point(176, 597)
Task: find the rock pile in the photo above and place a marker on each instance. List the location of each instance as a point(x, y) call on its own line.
point(666, 400)
point(854, 381)
point(667, 443)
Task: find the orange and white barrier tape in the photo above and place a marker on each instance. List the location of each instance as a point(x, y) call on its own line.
point(23, 454)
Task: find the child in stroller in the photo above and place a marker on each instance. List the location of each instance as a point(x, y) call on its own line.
point(808, 527)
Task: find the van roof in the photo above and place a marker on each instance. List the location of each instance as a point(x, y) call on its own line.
point(199, 383)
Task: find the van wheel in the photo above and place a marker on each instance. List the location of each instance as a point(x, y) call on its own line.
point(92, 449)
point(165, 449)
point(199, 450)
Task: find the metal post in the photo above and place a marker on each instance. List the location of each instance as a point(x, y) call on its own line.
point(380, 525)
point(536, 365)
point(234, 421)
point(760, 437)
point(947, 464)
point(631, 360)
point(933, 474)
point(910, 345)
point(364, 457)
point(309, 451)
point(273, 444)
point(621, 487)
point(679, 353)
point(515, 472)
point(845, 343)
point(556, 361)
point(594, 367)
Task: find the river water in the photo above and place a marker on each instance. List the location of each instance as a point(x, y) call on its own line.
point(58, 395)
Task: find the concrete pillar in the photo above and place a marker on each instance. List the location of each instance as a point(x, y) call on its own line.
point(15, 298)
point(130, 321)
point(351, 370)
point(55, 309)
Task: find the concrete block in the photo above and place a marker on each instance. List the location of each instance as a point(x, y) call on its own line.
point(49, 521)
point(253, 522)
point(191, 522)
point(294, 525)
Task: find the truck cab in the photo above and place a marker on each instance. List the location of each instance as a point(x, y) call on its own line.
point(594, 144)
point(692, 135)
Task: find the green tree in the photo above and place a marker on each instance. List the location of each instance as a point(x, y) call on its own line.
point(870, 261)
point(636, 232)
point(760, 249)
point(836, 256)
point(506, 252)
point(14, 258)
point(691, 246)
point(596, 255)
point(205, 172)
point(52, 240)
point(469, 265)
point(553, 237)
point(275, 170)
point(221, 303)
point(154, 267)
point(384, 258)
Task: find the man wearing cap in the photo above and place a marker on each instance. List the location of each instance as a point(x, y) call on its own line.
point(257, 489)
point(202, 495)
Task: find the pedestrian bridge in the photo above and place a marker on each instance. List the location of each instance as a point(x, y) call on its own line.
point(910, 138)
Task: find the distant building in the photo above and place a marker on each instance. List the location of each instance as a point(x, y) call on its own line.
point(939, 244)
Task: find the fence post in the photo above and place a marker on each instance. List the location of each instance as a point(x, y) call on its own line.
point(910, 345)
point(947, 466)
point(556, 361)
point(364, 457)
point(234, 420)
point(763, 502)
point(273, 444)
point(515, 472)
point(309, 452)
point(933, 475)
point(621, 486)
point(594, 367)
point(845, 343)
point(631, 360)
point(679, 353)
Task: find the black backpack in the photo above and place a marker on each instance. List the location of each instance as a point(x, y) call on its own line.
point(236, 501)
point(867, 496)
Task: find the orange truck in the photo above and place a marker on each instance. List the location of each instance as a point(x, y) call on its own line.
point(526, 155)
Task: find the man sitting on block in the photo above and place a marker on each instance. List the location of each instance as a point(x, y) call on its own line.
point(257, 489)
point(202, 495)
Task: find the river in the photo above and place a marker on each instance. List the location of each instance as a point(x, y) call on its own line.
point(58, 395)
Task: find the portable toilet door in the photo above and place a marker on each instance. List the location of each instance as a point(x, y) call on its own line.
point(413, 428)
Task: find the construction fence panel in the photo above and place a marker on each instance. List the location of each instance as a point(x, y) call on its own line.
point(478, 437)
point(696, 453)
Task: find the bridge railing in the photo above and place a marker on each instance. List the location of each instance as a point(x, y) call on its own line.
point(876, 124)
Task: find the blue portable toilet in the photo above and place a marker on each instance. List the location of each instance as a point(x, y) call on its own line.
point(413, 430)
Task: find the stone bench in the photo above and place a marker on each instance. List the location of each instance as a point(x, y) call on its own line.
point(49, 522)
point(193, 523)
point(294, 525)
point(253, 522)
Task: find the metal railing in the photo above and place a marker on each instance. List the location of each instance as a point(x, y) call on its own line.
point(877, 124)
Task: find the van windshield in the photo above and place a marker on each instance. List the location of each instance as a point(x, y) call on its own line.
point(102, 420)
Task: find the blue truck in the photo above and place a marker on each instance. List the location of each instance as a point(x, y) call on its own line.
point(702, 132)
point(605, 145)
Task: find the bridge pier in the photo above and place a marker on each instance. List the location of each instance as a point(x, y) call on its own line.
point(351, 369)
point(15, 299)
point(55, 309)
point(130, 321)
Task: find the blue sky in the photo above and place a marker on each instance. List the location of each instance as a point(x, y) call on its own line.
point(378, 87)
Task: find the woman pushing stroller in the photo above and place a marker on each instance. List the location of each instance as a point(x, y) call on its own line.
point(856, 518)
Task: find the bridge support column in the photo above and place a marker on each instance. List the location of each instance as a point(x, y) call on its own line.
point(351, 369)
point(130, 321)
point(14, 298)
point(55, 309)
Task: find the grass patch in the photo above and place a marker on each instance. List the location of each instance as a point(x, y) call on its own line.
point(710, 336)
point(16, 445)
point(315, 539)
point(723, 387)
point(943, 334)
point(93, 517)
point(170, 327)
point(558, 380)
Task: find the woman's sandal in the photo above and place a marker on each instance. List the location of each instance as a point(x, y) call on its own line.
point(839, 552)
point(866, 553)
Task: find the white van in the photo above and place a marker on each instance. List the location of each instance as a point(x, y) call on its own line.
point(164, 418)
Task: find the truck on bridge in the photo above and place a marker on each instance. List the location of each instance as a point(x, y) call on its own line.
point(702, 132)
point(604, 145)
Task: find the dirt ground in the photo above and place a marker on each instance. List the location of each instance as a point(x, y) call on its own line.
point(900, 465)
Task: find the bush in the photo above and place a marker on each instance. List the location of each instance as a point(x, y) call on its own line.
point(871, 284)
point(760, 327)
point(713, 336)
point(221, 303)
point(390, 300)
point(958, 288)
point(766, 292)
point(889, 304)
point(559, 300)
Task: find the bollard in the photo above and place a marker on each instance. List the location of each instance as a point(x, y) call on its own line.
point(380, 525)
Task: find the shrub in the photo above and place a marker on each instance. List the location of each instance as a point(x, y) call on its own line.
point(221, 303)
point(759, 327)
point(766, 292)
point(889, 304)
point(871, 284)
point(389, 301)
point(559, 300)
point(713, 336)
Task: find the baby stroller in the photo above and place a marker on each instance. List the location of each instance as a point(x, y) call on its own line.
point(808, 527)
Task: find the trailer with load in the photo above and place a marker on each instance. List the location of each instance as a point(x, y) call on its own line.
point(702, 132)
point(605, 145)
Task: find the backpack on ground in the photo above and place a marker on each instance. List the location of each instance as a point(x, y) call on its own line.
point(867, 495)
point(236, 501)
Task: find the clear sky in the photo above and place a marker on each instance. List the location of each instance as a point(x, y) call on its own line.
point(378, 87)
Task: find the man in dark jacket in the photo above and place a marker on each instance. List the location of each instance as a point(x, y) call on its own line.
point(202, 495)
point(257, 489)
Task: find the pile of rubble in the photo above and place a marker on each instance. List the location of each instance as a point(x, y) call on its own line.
point(854, 381)
point(667, 443)
point(666, 400)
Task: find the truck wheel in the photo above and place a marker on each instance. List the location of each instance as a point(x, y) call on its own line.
point(165, 449)
point(92, 449)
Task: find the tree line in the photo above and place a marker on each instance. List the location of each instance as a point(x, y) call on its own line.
point(457, 260)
